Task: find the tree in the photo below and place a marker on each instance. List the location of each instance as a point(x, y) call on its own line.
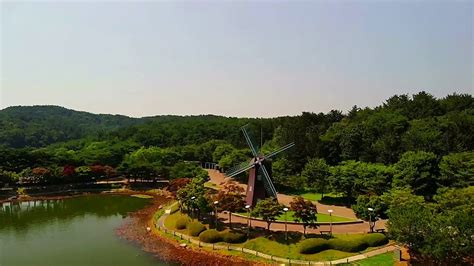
point(305, 211)
point(231, 199)
point(269, 209)
point(343, 178)
point(457, 170)
point(361, 209)
point(409, 224)
point(193, 196)
point(177, 184)
point(69, 171)
point(419, 170)
point(317, 174)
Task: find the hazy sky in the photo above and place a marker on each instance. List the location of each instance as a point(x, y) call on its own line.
point(234, 58)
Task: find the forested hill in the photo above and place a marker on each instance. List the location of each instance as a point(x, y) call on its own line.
point(381, 134)
point(38, 126)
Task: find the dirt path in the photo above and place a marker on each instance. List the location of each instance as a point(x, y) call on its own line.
point(219, 178)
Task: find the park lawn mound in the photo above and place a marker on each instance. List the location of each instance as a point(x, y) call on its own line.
point(376, 239)
point(347, 245)
point(313, 245)
point(355, 243)
point(195, 228)
point(182, 222)
point(233, 237)
point(281, 249)
point(210, 236)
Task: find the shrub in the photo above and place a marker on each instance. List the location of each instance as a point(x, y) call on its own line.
point(375, 239)
point(195, 228)
point(232, 237)
point(210, 236)
point(347, 246)
point(313, 245)
point(182, 222)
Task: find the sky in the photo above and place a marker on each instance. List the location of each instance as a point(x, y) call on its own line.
point(232, 58)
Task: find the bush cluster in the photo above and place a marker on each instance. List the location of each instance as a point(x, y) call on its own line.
point(214, 236)
point(182, 222)
point(315, 245)
point(376, 239)
point(232, 237)
point(210, 236)
point(347, 246)
point(195, 228)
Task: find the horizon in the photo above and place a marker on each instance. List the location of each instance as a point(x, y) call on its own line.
point(233, 59)
point(219, 115)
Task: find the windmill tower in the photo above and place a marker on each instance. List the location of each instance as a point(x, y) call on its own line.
point(260, 182)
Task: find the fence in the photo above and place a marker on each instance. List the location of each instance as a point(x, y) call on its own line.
point(161, 227)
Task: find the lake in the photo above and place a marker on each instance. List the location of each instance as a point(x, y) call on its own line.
point(75, 231)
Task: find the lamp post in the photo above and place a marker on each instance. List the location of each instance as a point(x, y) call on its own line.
point(330, 221)
point(286, 227)
point(215, 211)
point(370, 219)
point(192, 206)
point(248, 220)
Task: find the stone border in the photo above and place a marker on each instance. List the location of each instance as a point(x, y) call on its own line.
point(160, 225)
point(357, 221)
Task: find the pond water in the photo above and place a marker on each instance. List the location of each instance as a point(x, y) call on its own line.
point(75, 231)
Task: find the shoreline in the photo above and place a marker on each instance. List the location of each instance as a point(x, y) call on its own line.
point(134, 230)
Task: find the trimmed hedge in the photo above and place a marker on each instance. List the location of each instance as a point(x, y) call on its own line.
point(347, 246)
point(313, 245)
point(210, 236)
point(231, 237)
point(182, 222)
point(195, 228)
point(375, 239)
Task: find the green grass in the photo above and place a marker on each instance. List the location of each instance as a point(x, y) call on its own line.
point(211, 185)
point(142, 196)
point(314, 196)
point(322, 217)
point(265, 245)
point(277, 246)
point(170, 221)
point(385, 259)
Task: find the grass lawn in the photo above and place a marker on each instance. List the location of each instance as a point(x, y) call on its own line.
point(314, 196)
point(209, 184)
point(385, 259)
point(277, 246)
point(142, 196)
point(170, 221)
point(279, 249)
point(322, 217)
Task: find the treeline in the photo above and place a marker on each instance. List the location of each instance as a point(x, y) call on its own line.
point(49, 136)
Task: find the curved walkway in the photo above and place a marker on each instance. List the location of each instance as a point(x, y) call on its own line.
point(161, 226)
point(219, 178)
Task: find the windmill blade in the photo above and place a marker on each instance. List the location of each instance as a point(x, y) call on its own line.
point(269, 180)
point(249, 141)
point(284, 148)
point(239, 169)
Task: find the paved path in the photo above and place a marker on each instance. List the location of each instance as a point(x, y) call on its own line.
point(219, 178)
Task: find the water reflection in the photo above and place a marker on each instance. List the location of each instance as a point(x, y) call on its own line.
point(21, 215)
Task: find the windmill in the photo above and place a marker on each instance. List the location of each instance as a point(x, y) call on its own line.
point(260, 184)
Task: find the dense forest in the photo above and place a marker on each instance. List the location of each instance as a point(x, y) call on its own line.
point(410, 156)
point(49, 136)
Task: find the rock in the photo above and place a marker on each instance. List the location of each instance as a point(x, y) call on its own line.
point(184, 245)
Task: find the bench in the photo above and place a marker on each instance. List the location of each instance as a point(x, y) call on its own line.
point(323, 232)
point(381, 230)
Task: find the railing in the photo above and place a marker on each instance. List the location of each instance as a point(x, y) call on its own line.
point(160, 225)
